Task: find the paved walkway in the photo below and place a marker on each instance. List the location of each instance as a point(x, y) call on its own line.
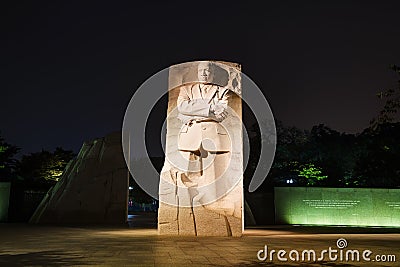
point(33, 245)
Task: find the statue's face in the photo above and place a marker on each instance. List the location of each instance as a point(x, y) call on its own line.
point(205, 72)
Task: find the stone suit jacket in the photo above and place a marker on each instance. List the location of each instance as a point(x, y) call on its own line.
point(200, 127)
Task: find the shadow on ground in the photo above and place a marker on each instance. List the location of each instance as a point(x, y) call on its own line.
point(44, 258)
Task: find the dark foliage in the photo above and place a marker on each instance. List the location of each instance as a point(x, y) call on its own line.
point(7, 160)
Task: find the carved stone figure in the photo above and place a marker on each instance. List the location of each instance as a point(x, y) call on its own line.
point(201, 181)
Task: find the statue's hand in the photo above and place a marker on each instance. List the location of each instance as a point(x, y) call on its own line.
point(218, 112)
point(221, 116)
point(217, 109)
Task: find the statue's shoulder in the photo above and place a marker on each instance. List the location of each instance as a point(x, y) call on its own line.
point(189, 86)
point(186, 88)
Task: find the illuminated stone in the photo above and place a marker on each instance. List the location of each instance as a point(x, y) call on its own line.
point(201, 185)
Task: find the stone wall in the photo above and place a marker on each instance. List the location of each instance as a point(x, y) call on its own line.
point(337, 206)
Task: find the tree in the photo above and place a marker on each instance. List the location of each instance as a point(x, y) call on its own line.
point(392, 103)
point(312, 174)
point(44, 167)
point(325, 157)
point(290, 153)
point(377, 163)
point(7, 160)
point(334, 153)
point(320, 157)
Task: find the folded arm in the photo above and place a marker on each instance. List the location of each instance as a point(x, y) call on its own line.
point(192, 107)
point(215, 108)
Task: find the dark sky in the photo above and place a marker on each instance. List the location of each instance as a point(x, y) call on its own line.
point(69, 69)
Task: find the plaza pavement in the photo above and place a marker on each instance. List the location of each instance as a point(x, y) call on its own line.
point(136, 245)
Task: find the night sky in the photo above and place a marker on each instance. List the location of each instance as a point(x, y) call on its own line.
point(70, 69)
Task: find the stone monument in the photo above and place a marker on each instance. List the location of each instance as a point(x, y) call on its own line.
point(201, 183)
point(92, 189)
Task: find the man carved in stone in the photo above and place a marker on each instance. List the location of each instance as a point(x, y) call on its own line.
point(203, 141)
point(200, 188)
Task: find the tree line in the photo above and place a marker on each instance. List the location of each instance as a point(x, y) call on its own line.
point(325, 157)
point(39, 170)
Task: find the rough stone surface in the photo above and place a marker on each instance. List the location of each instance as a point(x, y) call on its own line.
point(92, 189)
point(223, 217)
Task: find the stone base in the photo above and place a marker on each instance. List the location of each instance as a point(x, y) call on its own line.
point(196, 221)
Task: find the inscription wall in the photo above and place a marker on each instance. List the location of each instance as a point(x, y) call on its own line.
point(337, 206)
